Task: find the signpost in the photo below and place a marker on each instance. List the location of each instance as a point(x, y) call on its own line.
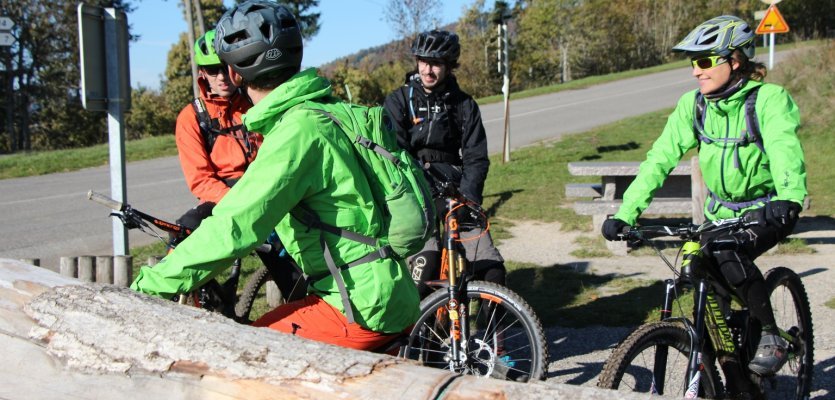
point(105, 86)
point(6, 40)
point(772, 23)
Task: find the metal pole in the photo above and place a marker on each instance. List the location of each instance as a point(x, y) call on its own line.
point(115, 127)
point(771, 50)
point(506, 90)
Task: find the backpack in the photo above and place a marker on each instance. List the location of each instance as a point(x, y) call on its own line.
point(210, 127)
point(397, 183)
point(752, 124)
point(750, 135)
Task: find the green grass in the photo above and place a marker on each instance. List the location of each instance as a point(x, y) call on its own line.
point(794, 246)
point(591, 247)
point(830, 303)
point(49, 162)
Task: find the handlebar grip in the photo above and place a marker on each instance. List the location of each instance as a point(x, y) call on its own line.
point(106, 201)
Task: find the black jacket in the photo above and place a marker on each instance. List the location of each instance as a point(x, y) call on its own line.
point(442, 127)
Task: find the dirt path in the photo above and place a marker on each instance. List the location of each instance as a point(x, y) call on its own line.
point(578, 355)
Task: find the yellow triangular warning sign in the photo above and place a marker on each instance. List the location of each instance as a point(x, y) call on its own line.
point(772, 22)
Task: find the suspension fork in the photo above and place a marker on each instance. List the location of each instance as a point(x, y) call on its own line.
point(696, 339)
point(661, 352)
point(456, 304)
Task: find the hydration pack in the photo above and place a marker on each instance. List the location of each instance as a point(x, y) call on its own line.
point(397, 183)
point(751, 134)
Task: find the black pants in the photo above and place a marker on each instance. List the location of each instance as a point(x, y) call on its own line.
point(735, 254)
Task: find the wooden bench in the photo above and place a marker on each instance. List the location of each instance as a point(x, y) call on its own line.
point(675, 197)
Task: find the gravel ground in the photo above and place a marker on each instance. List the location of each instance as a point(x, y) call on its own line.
point(577, 355)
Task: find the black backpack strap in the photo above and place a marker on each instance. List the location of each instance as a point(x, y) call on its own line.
point(208, 127)
point(752, 123)
point(699, 119)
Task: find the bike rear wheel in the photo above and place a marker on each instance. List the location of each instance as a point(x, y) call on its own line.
point(506, 340)
point(254, 291)
point(793, 315)
point(653, 359)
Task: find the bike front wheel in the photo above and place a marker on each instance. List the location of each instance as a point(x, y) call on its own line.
point(502, 339)
point(653, 359)
point(794, 319)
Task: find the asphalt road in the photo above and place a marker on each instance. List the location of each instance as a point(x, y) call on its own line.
point(47, 217)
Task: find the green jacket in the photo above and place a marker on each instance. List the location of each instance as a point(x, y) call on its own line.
point(780, 170)
point(305, 160)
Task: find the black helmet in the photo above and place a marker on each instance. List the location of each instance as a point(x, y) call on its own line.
point(440, 45)
point(259, 37)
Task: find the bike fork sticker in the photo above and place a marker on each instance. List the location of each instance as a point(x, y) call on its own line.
point(693, 388)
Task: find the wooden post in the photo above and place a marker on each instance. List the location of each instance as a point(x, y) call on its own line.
point(69, 267)
point(274, 298)
point(123, 270)
point(698, 191)
point(104, 269)
point(32, 261)
point(87, 268)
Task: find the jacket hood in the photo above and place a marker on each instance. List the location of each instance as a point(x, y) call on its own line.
point(301, 87)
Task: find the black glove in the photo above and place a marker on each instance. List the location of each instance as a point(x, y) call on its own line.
point(777, 213)
point(612, 227)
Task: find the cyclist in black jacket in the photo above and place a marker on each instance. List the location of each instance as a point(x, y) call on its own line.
point(441, 125)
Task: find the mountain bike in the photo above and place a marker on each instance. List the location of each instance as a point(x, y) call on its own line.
point(678, 355)
point(213, 295)
point(474, 327)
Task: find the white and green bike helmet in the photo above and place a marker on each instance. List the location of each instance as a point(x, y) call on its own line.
point(719, 36)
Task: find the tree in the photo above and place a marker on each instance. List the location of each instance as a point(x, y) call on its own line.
point(42, 77)
point(410, 17)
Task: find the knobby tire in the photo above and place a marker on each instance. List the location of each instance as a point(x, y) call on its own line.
point(502, 320)
point(791, 309)
point(628, 358)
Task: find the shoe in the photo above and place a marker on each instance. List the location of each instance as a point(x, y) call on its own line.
point(771, 355)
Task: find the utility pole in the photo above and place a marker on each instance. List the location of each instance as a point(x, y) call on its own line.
point(190, 23)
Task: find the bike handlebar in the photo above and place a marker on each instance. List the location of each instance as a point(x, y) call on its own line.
point(106, 201)
point(686, 231)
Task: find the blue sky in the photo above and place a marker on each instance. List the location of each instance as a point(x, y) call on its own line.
point(346, 27)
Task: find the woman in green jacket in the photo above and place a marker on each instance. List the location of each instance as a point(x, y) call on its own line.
point(743, 173)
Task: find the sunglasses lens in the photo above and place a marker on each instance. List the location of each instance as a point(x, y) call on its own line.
point(704, 63)
point(213, 70)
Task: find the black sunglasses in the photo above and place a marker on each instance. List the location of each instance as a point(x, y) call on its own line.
point(213, 70)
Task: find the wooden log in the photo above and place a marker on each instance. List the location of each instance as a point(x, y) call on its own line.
point(104, 269)
point(65, 339)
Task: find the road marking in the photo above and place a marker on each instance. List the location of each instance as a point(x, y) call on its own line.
point(84, 194)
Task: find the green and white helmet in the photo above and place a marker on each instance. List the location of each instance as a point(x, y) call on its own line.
point(204, 50)
point(719, 36)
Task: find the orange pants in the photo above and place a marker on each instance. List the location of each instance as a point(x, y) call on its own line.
point(313, 318)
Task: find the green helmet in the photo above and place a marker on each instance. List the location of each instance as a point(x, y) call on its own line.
point(719, 36)
point(204, 50)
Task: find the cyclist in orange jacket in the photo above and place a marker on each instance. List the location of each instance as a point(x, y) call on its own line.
point(213, 147)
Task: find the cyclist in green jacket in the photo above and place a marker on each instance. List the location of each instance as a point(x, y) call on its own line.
point(743, 174)
point(305, 163)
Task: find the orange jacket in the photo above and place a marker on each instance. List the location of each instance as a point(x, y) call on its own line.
point(205, 173)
